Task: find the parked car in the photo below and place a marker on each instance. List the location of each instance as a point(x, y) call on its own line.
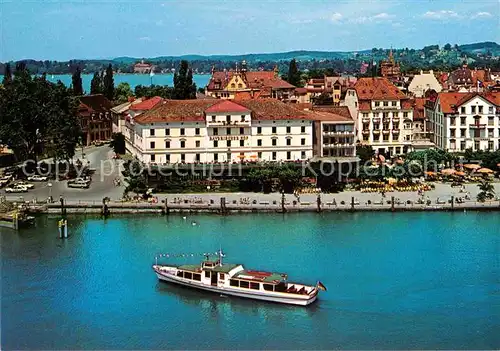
point(80, 183)
point(16, 189)
point(25, 184)
point(37, 178)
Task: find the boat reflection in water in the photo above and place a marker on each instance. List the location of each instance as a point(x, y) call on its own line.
point(214, 305)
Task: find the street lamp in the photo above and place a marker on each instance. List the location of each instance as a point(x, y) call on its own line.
point(50, 191)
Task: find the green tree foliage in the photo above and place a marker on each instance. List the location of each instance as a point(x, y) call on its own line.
point(184, 88)
point(293, 73)
point(447, 47)
point(76, 79)
point(36, 115)
point(7, 76)
point(122, 93)
point(118, 143)
point(365, 153)
point(109, 83)
point(285, 177)
point(135, 178)
point(432, 158)
point(96, 84)
point(487, 191)
point(163, 91)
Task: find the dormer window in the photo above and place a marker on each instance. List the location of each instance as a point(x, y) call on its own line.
point(213, 118)
point(228, 119)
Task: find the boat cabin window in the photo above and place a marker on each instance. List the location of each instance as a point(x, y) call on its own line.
point(221, 276)
point(255, 286)
point(234, 282)
point(268, 287)
point(281, 287)
point(207, 274)
point(180, 274)
point(188, 275)
point(208, 264)
point(197, 277)
point(244, 284)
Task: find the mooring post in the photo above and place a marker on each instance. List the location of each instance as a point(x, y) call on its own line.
point(318, 202)
point(223, 205)
point(392, 204)
point(65, 228)
point(105, 209)
point(63, 210)
point(283, 202)
point(352, 202)
point(167, 210)
point(16, 220)
point(452, 202)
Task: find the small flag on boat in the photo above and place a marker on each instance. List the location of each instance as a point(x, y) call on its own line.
point(321, 286)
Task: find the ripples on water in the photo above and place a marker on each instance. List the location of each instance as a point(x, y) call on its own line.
point(404, 280)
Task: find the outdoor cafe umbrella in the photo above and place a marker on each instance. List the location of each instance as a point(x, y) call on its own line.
point(484, 170)
point(448, 171)
point(461, 174)
point(472, 166)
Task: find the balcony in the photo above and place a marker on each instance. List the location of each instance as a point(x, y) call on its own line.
point(376, 119)
point(228, 124)
point(339, 133)
point(365, 132)
point(385, 131)
point(395, 131)
point(365, 120)
point(376, 131)
point(477, 125)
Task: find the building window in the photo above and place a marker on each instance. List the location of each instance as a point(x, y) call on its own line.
point(462, 121)
point(302, 129)
point(394, 103)
point(491, 121)
point(167, 157)
point(259, 155)
point(259, 130)
point(242, 142)
point(405, 114)
point(197, 157)
point(243, 118)
point(452, 133)
point(167, 145)
point(216, 143)
point(216, 131)
point(452, 121)
point(167, 131)
point(259, 142)
point(242, 130)
point(183, 157)
point(274, 130)
point(490, 109)
point(228, 131)
point(473, 109)
point(216, 157)
point(153, 158)
point(303, 155)
point(462, 133)
point(213, 118)
point(274, 155)
point(197, 143)
point(228, 119)
point(462, 109)
point(152, 145)
point(377, 104)
point(288, 142)
point(197, 131)
point(303, 141)
point(480, 109)
point(183, 144)
point(183, 131)
point(288, 130)
point(288, 155)
point(152, 132)
point(228, 143)
point(274, 142)
point(386, 103)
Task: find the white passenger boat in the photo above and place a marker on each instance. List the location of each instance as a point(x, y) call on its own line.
point(232, 279)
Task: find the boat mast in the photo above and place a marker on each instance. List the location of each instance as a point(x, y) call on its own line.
point(220, 256)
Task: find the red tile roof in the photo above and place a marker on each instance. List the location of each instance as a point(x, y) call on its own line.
point(419, 108)
point(364, 105)
point(342, 111)
point(301, 91)
point(253, 80)
point(177, 111)
point(450, 101)
point(95, 103)
point(377, 89)
point(272, 109)
point(329, 117)
point(226, 106)
point(146, 104)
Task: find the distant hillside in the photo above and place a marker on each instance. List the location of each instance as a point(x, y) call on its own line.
point(447, 57)
point(483, 47)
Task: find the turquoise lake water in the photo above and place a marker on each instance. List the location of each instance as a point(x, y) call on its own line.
point(133, 79)
point(395, 281)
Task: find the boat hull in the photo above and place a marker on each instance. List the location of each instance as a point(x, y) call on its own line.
point(232, 292)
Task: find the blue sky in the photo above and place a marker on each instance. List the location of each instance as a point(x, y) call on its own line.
point(62, 30)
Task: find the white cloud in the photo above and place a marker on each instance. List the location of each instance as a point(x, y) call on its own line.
point(482, 15)
point(443, 14)
point(336, 17)
point(159, 23)
point(378, 18)
point(145, 38)
point(382, 15)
